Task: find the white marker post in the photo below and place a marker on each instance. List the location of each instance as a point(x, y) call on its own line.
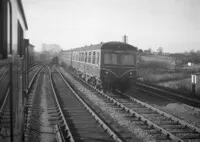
point(194, 82)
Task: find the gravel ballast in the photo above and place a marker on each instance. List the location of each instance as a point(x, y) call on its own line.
point(39, 128)
point(116, 115)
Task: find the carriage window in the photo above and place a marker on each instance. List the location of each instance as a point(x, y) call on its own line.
point(20, 48)
point(85, 56)
point(70, 55)
point(76, 56)
point(110, 58)
point(4, 29)
point(93, 57)
point(9, 25)
point(73, 56)
point(126, 59)
point(89, 57)
point(82, 56)
point(79, 59)
point(97, 62)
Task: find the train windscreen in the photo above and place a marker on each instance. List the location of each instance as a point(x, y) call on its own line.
point(126, 59)
point(119, 59)
point(110, 58)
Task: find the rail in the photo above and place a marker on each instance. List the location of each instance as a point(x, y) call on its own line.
point(146, 120)
point(33, 79)
point(197, 102)
point(94, 114)
point(4, 102)
point(70, 137)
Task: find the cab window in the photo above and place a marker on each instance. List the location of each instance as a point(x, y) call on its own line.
point(127, 59)
point(110, 58)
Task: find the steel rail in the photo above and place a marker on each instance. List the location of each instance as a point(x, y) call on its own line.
point(33, 67)
point(69, 136)
point(60, 136)
point(164, 91)
point(32, 80)
point(132, 112)
point(4, 101)
point(28, 105)
point(3, 74)
point(195, 129)
point(99, 120)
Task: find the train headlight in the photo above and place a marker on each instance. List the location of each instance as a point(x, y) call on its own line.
point(106, 72)
point(131, 74)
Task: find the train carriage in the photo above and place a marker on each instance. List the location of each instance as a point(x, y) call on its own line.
point(13, 56)
point(107, 66)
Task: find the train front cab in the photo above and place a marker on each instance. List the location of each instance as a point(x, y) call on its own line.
point(118, 69)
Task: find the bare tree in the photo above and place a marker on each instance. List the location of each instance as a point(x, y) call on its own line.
point(160, 50)
point(150, 50)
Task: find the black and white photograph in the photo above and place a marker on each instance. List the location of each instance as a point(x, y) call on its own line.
point(99, 70)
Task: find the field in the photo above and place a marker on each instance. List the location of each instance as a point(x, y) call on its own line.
point(163, 71)
point(183, 84)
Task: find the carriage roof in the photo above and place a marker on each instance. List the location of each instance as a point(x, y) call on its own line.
point(107, 45)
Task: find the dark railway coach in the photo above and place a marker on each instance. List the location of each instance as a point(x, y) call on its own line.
point(14, 54)
point(106, 66)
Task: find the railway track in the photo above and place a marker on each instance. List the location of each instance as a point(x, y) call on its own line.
point(4, 105)
point(5, 108)
point(5, 70)
point(32, 75)
point(161, 125)
point(39, 127)
point(81, 123)
point(5, 117)
point(170, 126)
point(4, 83)
point(168, 95)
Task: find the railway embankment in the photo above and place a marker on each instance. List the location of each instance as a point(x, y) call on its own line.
point(180, 110)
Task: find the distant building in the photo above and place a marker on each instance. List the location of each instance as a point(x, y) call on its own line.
point(155, 53)
point(147, 52)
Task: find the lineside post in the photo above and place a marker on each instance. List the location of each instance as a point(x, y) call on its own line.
point(194, 81)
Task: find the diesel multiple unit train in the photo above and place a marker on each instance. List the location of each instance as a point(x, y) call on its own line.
point(106, 66)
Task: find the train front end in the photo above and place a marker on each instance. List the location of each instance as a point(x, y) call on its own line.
point(118, 66)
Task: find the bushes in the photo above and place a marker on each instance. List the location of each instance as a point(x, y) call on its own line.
point(154, 72)
point(153, 65)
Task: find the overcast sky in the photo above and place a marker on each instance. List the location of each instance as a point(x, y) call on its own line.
point(171, 24)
